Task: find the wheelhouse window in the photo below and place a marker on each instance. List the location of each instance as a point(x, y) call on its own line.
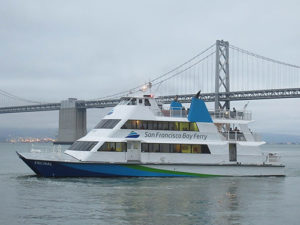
point(160, 125)
point(147, 103)
point(132, 101)
point(107, 124)
point(124, 101)
point(83, 145)
point(113, 147)
point(175, 148)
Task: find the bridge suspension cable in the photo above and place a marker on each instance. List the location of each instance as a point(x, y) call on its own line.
point(251, 71)
point(262, 57)
point(187, 65)
point(10, 99)
point(248, 71)
point(182, 71)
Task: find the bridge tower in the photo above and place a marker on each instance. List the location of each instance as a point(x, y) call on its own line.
point(72, 121)
point(222, 74)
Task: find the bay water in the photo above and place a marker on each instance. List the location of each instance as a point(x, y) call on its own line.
point(28, 199)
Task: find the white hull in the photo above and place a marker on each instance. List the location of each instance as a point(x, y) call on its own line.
point(64, 167)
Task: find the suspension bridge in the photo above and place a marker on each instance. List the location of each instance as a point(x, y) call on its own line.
point(223, 73)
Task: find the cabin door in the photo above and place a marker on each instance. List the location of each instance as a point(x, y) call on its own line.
point(232, 152)
point(133, 151)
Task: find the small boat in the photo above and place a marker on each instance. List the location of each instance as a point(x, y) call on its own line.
point(141, 138)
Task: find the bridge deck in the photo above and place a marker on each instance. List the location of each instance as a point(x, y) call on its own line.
point(208, 97)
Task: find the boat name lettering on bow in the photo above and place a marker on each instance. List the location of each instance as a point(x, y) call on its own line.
point(177, 136)
point(42, 163)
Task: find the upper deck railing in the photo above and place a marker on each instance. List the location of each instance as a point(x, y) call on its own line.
point(239, 136)
point(233, 115)
point(220, 114)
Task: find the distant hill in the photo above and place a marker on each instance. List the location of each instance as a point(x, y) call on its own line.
point(280, 138)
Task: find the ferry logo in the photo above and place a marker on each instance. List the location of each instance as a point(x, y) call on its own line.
point(132, 134)
point(110, 112)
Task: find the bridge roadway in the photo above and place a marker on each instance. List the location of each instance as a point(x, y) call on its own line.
point(208, 97)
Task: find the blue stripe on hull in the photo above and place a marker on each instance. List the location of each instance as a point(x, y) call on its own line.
point(63, 169)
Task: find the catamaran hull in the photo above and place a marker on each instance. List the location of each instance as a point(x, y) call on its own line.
point(47, 168)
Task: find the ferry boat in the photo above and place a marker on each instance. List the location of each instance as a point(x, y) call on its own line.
point(141, 138)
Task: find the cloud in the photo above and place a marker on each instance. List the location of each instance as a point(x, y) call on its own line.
point(52, 50)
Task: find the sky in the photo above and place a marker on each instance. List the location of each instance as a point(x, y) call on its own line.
point(53, 50)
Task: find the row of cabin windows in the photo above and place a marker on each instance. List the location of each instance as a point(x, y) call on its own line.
point(134, 101)
point(114, 147)
point(175, 148)
point(160, 125)
point(155, 147)
point(83, 145)
point(107, 123)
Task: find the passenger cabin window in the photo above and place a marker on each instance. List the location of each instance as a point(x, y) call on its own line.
point(144, 125)
point(163, 126)
point(147, 103)
point(107, 124)
point(155, 147)
point(175, 148)
point(160, 125)
point(184, 126)
point(124, 101)
point(113, 147)
point(193, 127)
point(83, 145)
point(135, 101)
point(132, 101)
point(172, 126)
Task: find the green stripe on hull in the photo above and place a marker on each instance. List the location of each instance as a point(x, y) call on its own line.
point(154, 170)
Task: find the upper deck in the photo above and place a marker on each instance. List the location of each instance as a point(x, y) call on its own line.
point(182, 112)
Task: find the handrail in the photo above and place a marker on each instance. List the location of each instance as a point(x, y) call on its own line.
point(234, 136)
point(220, 114)
point(235, 115)
point(239, 136)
